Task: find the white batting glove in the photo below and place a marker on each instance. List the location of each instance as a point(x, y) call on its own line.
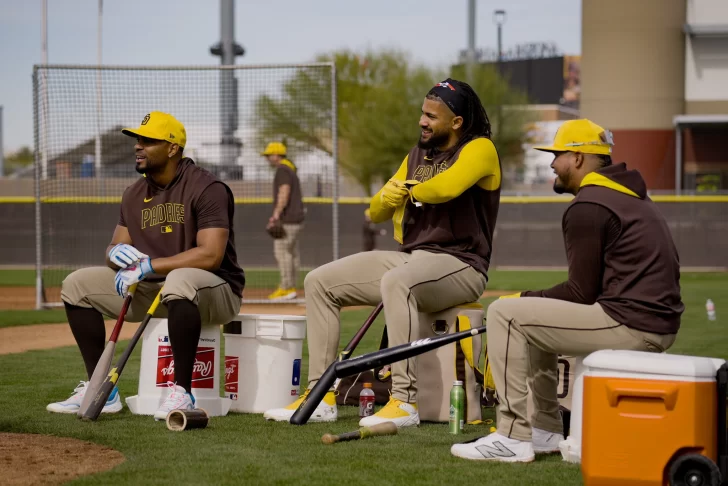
point(123, 255)
point(131, 275)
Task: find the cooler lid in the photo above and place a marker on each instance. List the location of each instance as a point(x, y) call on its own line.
point(653, 363)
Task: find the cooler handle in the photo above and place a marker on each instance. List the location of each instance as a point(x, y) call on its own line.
point(666, 393)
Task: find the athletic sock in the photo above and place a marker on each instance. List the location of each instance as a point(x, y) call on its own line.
point(185, 326)
point(87, 326)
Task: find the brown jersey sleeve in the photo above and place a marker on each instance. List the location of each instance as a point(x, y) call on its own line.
point(214, 207)
point(589, 229)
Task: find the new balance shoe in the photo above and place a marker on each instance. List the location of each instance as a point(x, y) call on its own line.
point(178, 399)
point(403, 414)
point(545, 442)
point(495, 447)
point(326, 411)
point(73, 403)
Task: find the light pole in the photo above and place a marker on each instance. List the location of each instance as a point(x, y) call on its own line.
point(471, 40)
point(499, 18)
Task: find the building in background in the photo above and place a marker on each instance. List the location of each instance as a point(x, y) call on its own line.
point(656, 74)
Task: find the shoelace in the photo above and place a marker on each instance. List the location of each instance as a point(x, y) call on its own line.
point(174, 396)
point(81, 387)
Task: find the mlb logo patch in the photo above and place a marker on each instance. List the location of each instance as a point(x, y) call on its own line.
point(163, 339)
point(233, 396)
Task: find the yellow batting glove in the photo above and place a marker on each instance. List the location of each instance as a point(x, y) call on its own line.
point(393, 194)
point(510, 296)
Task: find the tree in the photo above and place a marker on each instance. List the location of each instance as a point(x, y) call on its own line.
point(17, 160)
point(505, 108)
point(379, 96)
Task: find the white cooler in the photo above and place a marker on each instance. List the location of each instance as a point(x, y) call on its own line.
point(263, 361)
point(157, 368)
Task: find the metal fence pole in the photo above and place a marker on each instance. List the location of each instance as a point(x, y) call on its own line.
point(37, 176)
point(335, 157)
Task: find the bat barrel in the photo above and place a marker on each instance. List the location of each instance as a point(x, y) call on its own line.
point(179, 420)
point(398, 353)
point(317, 393)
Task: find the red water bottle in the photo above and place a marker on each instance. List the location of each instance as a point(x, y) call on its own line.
point(366, 401)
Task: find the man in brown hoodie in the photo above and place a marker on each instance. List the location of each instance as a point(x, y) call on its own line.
point(623, 292)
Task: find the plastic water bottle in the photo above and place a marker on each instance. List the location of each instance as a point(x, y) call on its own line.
point(457, 408)
point(366, 401)
point(710, 307)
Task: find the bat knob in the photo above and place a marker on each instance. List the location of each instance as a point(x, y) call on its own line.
point(328, 439)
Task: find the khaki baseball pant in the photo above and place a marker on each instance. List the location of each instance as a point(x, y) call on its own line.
point(525, 337)
point(287, 255)
point(93, 287)
point(405, 283)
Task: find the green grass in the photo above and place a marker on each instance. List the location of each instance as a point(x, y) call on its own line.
point(12, 318)
point(242, 448)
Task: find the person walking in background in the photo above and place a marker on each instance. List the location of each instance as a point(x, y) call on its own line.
point(287, 219)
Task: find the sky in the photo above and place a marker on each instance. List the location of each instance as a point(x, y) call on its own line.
point(180, 32)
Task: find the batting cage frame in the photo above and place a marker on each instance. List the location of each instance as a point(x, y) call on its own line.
point(83, 162)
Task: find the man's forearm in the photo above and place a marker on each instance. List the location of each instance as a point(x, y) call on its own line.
point(281, 202)
point(200, 257)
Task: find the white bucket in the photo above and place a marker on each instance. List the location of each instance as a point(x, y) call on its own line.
point(157, 368)
point(263, 361)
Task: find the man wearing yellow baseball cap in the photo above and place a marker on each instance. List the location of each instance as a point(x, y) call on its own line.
point(286, 222)
point(622, 292)
point(175, 236)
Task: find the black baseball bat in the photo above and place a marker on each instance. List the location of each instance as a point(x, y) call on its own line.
point(328, 379)
point(401, 352)
point(97, 404)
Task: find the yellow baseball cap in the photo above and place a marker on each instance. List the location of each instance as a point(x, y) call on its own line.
point(582, 136)
point(274, 148)
point(159, 126)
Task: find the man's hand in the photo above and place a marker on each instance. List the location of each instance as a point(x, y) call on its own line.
point(273, 220)
point(393, 194)
point(123, 255)
point(131, 275)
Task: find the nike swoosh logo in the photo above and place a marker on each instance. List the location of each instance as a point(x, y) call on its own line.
point(147, 200)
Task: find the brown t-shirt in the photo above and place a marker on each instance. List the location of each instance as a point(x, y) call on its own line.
point(285, 175)
point(164, 221)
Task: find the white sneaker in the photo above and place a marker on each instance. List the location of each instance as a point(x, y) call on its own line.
point(495, 447)
point(545, 442)
point(73, 403)
point(178, 399)
point(326, 411)
point(403, 414)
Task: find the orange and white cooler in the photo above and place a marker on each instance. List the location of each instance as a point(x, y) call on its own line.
point(641, 410)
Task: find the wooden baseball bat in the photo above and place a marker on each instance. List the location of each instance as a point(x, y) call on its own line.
point(99, 400)
point(104, 363)
point(385, 428)
point(328, 379)
point(401, 352)
point(179, 420)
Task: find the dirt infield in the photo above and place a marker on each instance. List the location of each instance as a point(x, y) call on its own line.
point(20, 298)
point(47, 336)
point(27, 459)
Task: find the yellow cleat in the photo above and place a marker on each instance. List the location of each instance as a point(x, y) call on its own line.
point(325, 412)
point(403, 414)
